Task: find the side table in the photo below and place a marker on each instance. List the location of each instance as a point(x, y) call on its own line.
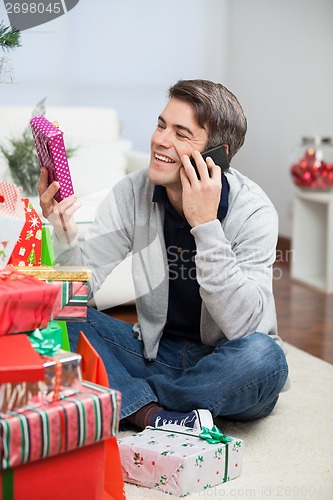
point(312, 239)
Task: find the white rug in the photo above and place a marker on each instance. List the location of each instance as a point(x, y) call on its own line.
point(287, 454)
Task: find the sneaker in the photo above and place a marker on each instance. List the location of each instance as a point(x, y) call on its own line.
point(195, 419)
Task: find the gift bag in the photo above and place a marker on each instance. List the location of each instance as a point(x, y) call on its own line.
point(83, 474)
point(47, 255)
point(93, 368)
point(12, 220)
point(27, 250)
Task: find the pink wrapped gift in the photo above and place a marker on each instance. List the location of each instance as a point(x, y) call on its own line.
point(52, 155)
point(179, 460)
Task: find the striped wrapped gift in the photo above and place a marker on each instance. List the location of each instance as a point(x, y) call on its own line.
point(32, 434)
point(71, 302)
point(72, 284)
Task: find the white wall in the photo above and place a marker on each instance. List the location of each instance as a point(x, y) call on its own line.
point(274, 55)
point(123, 54)
point(280, 67)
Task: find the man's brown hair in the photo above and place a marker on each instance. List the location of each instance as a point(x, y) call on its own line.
point(216, 109)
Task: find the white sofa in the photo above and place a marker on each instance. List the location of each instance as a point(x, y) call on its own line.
point(102, 158)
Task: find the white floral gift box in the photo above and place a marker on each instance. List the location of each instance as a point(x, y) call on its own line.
point(179, 460)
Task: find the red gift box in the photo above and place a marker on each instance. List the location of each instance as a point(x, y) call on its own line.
point(19, 361)
point(25, 302)
point(72, 284)
point(90, 473)
point(27, 250)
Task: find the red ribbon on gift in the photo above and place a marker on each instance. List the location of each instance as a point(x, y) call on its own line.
point(9, 274)
point(57, 378)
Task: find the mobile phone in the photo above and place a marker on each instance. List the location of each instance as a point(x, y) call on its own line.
point(218, 155)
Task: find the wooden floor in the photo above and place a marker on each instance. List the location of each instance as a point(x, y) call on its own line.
point(305, 315)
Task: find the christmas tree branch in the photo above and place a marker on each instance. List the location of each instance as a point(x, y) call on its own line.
point(9, 37)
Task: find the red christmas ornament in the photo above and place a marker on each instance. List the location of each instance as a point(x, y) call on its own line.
point(314, 167)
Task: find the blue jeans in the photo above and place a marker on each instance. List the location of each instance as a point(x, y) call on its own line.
point(238, 379)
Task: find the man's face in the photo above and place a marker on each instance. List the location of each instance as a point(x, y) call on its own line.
point(177, 134)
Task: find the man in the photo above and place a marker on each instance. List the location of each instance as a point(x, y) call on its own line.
point(203, 248)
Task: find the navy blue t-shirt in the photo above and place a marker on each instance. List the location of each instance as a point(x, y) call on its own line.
point(184, 305)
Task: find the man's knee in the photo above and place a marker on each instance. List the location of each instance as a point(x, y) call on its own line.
point(269, 351)
point(257, 356)
point(268, 359)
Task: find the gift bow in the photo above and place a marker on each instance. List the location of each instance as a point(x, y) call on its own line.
point(47, 341)
point(214, 435)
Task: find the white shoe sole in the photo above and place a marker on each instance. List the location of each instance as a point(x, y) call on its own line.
point(204, 419)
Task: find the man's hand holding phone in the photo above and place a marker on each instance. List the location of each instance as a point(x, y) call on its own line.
point(60, 215)
point(202, 187)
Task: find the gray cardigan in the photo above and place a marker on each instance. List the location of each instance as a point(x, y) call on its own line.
point(234, 259)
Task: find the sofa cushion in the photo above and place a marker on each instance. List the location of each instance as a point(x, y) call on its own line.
point(81, 123)
point(96, 166)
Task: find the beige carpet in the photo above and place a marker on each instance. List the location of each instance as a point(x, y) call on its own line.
point(289, 453)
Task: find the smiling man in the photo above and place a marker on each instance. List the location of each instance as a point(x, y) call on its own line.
point(203, 245)
point(177, 137)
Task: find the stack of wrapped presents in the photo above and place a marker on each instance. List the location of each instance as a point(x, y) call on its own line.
point(57, 431)
point(57, 426)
